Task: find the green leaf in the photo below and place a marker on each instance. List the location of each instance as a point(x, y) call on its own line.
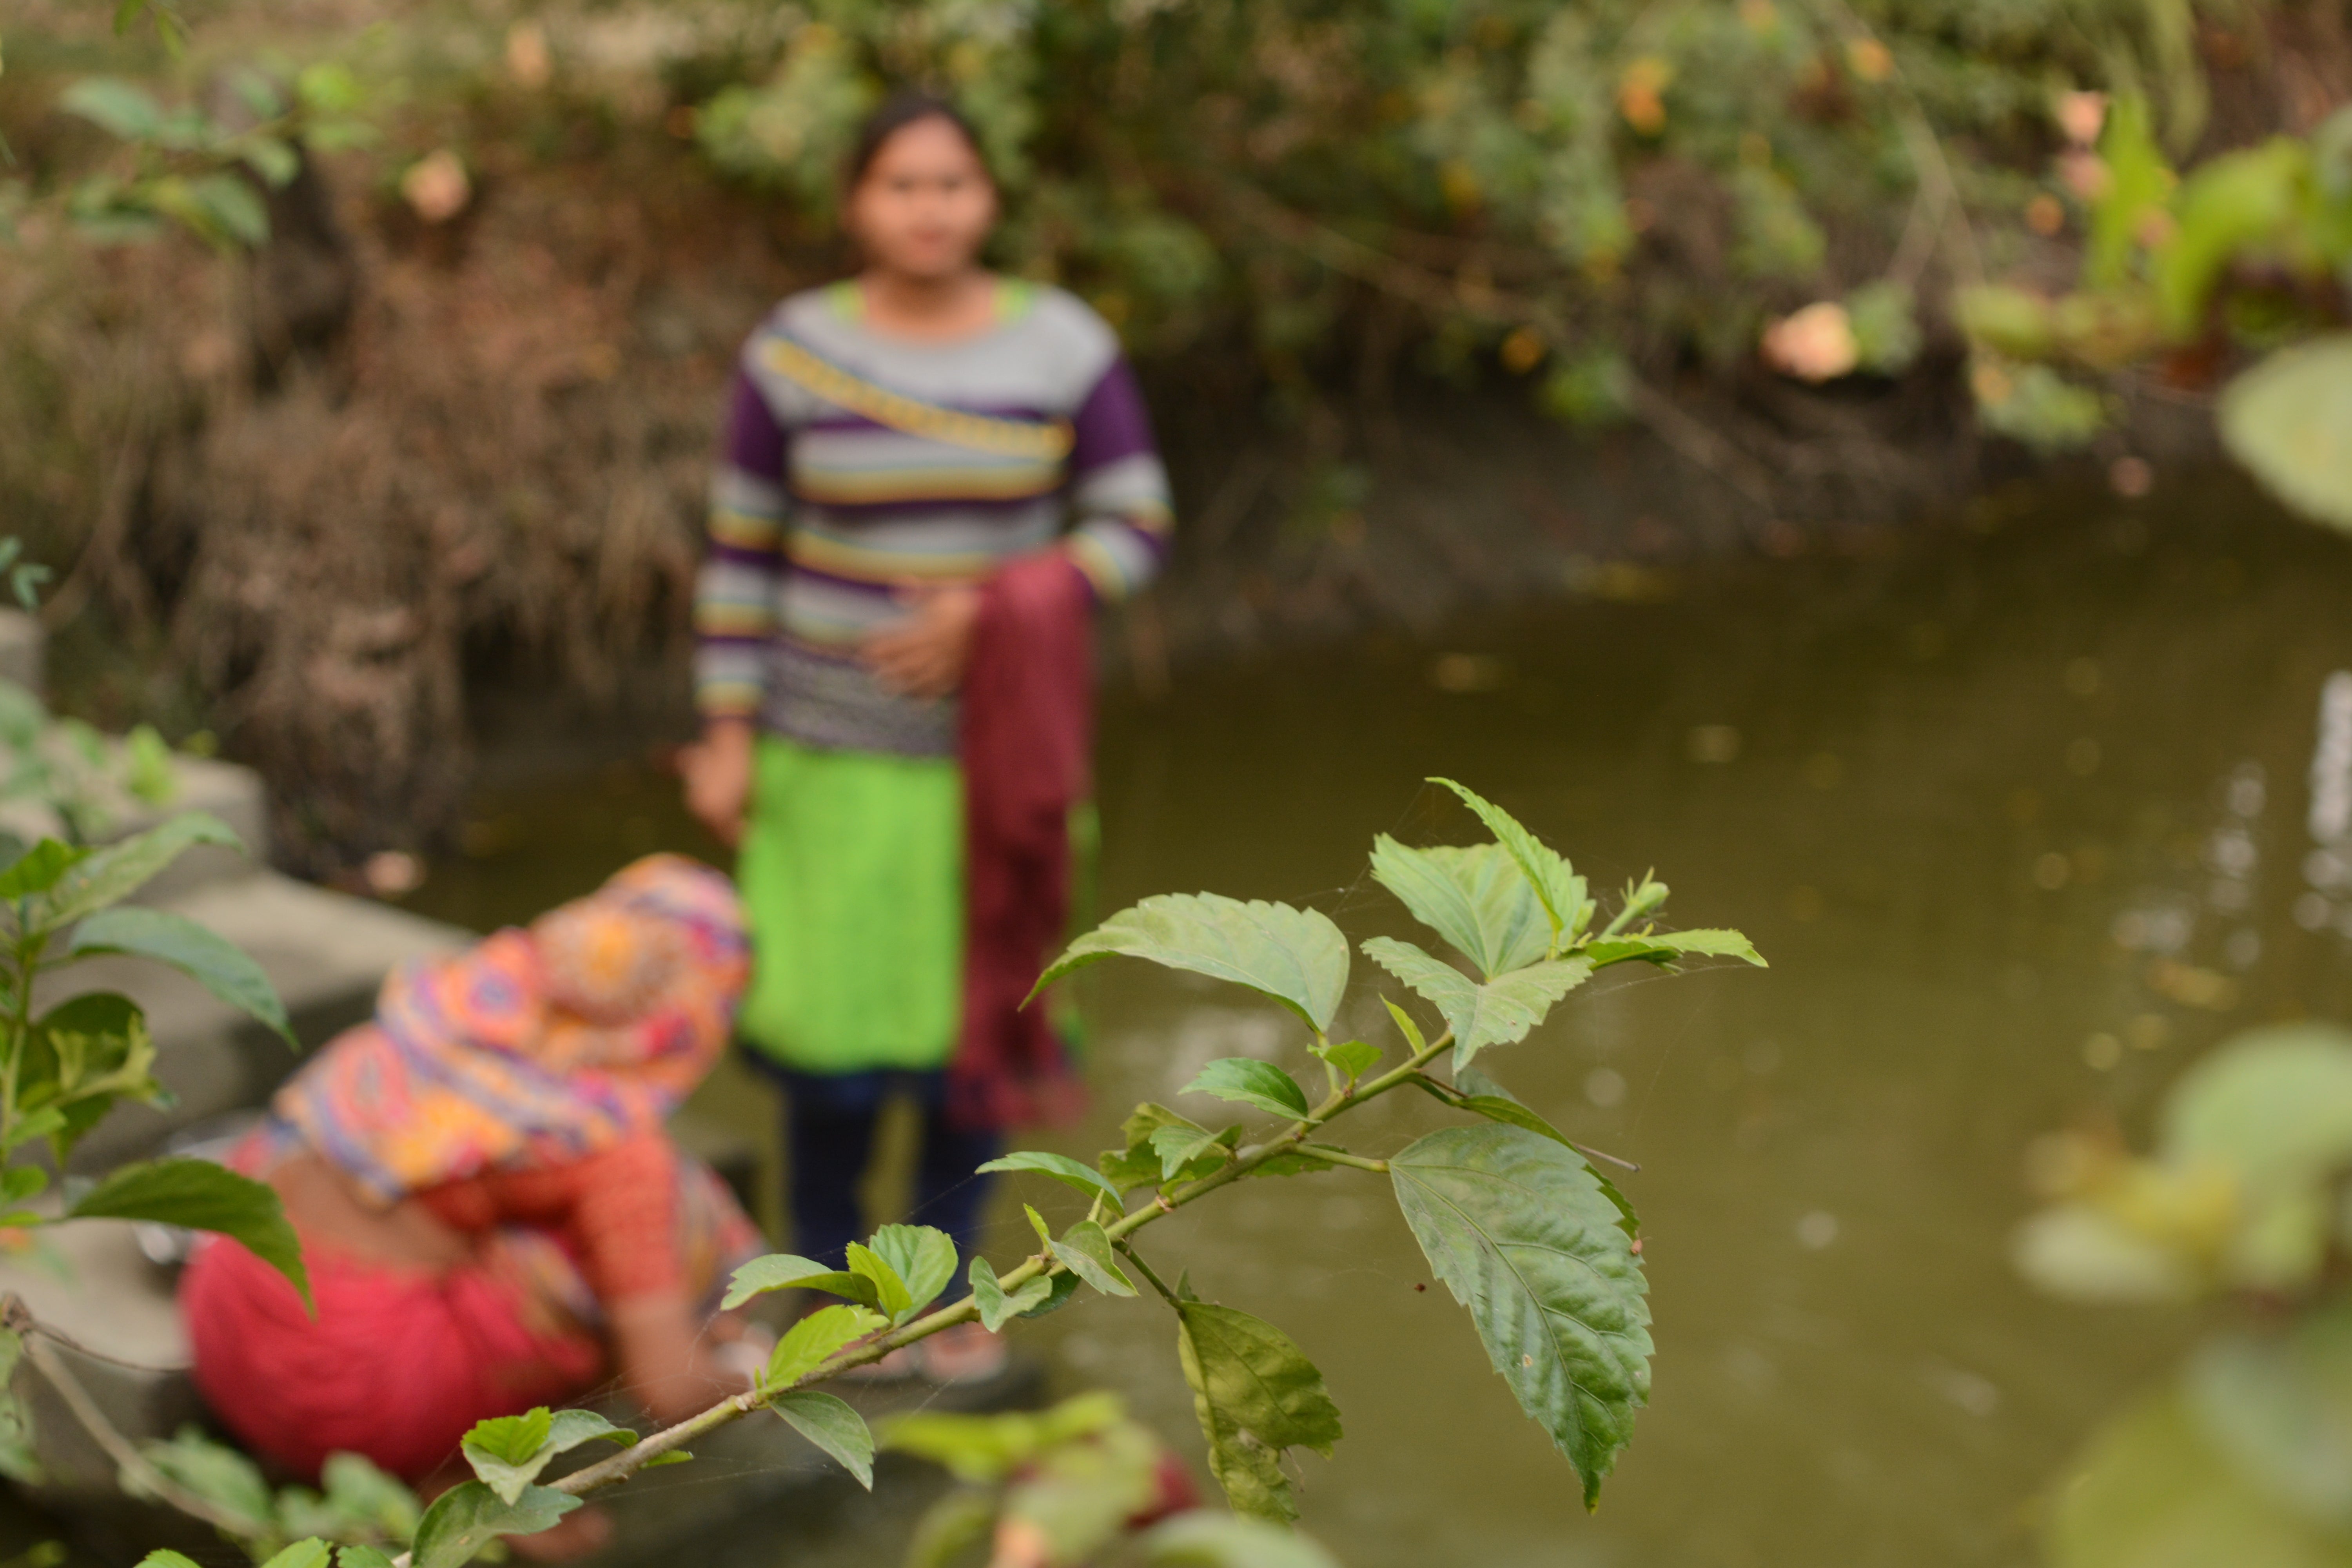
point(310, 1553)
point(1473, 896)
point(815, 1340)
point(1178, 1147)
point(922, 1256)
point(2249, 200)
point(1203, 1538)
point(1298, 957)
point(995, 1305)
point(83, 1056)
point(667, 1456)
point(1355, 1058)
point(1490, 1100)
point(1498, 1013)
point(1248, 1081)
point(115, 872)
point(1138, 1164)
point(2289, 419)
point(1519, 1230)
point(511, 1451)
point(270, 158)
point(199, 1195)
point(2138, 181)
point(37, 870)
point(1256, 1394)
point(115, 106)
point(2279, 1406)
point(230, 207)
point(217, 1473)
point(833, 1427)
point(359, 1491)
point(1085, 1250)
point(1557, 886)
point(164, 1557)
point(1406, 1026)
point(1062, 1168)
point(2081, 1253)
point(1665, 947)
point(210, 960)
point(1062, 1289)
point(510, 1439)
point(961, 1520)
point(361, 1557)
point(2274, 1108)
point(788, 1271)
point(892, 1298)
point(469, 1515)
point(2153, 1491)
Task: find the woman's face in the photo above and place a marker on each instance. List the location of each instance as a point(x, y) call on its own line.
point(926, 204)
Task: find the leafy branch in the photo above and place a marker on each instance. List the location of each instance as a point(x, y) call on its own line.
point(1542, 1249)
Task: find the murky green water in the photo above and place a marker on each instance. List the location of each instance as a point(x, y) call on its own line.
point(2019, 814)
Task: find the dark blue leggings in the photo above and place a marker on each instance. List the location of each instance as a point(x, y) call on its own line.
point(829, 1141)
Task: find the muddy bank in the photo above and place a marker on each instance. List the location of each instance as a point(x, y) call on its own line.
point(324, 500)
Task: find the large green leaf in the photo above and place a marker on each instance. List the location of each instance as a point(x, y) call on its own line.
point(833, 1427)
point(1498, 1013)
point(1256, 1394)
point(2279, 1406)
point(200, 1196)
point(1064, 1168)
point(1519, 1228)
point(923, 1255)
point(119, 870)
point(469, 1515)
point(311, 1553)
point(1490, 1100)
point(2152, 1492)
point(1474, 896)
point(1247, 1081)
point(2289, 419)
point(225, 1478)
point(1557, 886)
point(1298, 957)
point(212, 961)
point(790, 1271)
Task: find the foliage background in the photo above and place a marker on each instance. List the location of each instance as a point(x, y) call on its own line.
point(1371, 255)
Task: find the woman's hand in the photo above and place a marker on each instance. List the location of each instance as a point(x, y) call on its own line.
point(717, 773)
point(924, 654)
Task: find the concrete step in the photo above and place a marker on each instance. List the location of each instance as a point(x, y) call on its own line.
point(326, 953)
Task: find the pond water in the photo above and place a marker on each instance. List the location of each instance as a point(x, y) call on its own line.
point(2019, 812)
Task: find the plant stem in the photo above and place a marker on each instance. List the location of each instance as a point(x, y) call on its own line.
point(620, 1467)
point(117, 1447)
point(1126, 1250)
point(1341, 1157)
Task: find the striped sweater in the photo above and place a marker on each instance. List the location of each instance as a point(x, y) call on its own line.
point(926, 463)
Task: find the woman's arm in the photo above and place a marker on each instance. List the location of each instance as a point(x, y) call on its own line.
point(735, 607)
point(1119, 487)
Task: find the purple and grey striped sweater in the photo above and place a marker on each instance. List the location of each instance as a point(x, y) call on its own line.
point(819, 513)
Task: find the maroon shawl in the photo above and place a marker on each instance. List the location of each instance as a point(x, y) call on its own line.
point(1027, 750)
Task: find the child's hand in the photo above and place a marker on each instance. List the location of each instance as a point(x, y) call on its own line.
point(717, 774)
point(924, 653)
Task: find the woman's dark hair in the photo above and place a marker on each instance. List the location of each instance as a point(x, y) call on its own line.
point(901, 111)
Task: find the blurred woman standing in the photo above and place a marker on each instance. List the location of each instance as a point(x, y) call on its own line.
point(932, 475)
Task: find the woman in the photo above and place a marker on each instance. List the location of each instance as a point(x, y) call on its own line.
point(931, 474)
point(488, 1207)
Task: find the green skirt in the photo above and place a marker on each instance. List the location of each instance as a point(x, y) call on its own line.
point(851, 873)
